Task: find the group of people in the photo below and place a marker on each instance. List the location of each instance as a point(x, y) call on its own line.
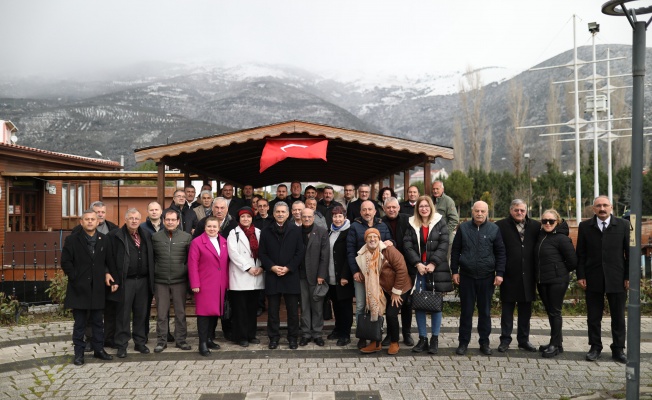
point(241, 256)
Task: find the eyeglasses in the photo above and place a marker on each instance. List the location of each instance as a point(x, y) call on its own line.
point(548, 221)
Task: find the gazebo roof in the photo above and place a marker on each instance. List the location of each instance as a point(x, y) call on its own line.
point(353, 156)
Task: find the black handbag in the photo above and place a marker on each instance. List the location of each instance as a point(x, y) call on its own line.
point(427, 300)
point(228, 310)
point(368, 329)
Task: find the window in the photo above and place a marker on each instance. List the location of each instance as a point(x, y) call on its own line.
point(73, 199)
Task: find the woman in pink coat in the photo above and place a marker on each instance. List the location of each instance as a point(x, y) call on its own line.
point(208, 271)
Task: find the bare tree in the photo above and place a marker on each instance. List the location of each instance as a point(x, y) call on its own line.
point(488, 149)
point(622, 148)
point(552, 117)
point(459, 146)
point(471, 98)
point(517, 106)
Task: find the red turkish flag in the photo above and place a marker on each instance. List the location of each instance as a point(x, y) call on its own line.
point(279, 150)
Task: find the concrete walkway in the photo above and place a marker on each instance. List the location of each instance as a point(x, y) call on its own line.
point(35, 362)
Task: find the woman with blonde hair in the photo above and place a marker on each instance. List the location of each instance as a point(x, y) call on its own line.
point(556, 259)
point(426, 248)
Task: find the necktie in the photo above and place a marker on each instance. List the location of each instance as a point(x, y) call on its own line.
point(136, 239)
point(521, 230)
point(604, 225)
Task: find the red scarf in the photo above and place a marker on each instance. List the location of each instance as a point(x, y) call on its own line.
point(253, 241)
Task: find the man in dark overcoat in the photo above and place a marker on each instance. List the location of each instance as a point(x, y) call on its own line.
point(86, 261)
point(602, 269)
point(520, 235)
point(133, 256)
point(280, 251)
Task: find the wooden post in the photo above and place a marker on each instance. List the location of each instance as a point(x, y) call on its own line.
point(186, 179)
point(406, 183)
point(160, 185)
point(372, 194)
point(391, 181)
point(427, 179)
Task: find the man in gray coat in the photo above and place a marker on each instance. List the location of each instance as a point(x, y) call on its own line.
point(313, 271)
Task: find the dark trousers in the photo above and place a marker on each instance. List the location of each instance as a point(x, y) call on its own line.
point(552, 296)
point(391, 316)
point(475, 292)
point(343, 312)
point(507, 321)
point(273, 320)
point(227, 326)
point(110, 322)
point(406, 315)
point(79, 327)
point(595, 308)
point(204, 324)
point(136, 294)
point(244, 304)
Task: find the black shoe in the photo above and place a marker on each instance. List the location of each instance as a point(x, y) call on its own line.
point(407, 339)
point(170, 338)
point(461, 349)
point(304, 341)
point(527, 346)
point(79, 359)
point(102, 355)
point(343, 341)
point(550, 352)
point(594, 353)
point(293, 345)
point(160, 347)
point(212, 345)
point(503, 346)
point(485, 349)
point(254, 341)
point(259, 312)
point(387, 341)
point(319, 342)
point(421, 345)
point(183, 346)
point(332, 336)
point(122, 353)
point(203, 349)
point(273, 344)
point(141, 348)
point(619, 356)
point(542, 348)
point(244, 343)
point(362, 343)
point(434, 345)
point(87, 347)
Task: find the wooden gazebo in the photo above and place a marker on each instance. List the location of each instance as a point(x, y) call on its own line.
point(353, 156)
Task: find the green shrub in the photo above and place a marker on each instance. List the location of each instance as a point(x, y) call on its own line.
point(57, 291)
point(8, 309)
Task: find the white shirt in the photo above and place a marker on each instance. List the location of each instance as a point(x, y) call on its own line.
point(216, 244)
point(608, 220)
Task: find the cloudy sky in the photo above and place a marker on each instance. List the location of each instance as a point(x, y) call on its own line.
point(351, 37)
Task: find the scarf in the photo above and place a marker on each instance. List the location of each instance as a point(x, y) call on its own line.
point(250, 233)
point(375, 297)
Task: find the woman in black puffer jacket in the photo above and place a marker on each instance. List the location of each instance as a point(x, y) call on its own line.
point(556, 258)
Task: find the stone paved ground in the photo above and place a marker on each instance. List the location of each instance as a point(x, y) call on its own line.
point(35, 362)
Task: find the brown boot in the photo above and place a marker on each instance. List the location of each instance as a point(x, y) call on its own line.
point(393, 348)
point(371, 348)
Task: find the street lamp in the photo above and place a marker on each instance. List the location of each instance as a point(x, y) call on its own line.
point(618, 8)
point(529, 178)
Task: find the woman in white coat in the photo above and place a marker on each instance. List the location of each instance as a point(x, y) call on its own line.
point(245, 277)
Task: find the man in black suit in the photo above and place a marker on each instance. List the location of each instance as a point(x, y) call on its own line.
point(281, 250)
point(86, 261)
point(398, 224)
point(520, 236)
point(188, 217)
point(233, 203)
point(353, 210)
point(407, 207)
point(602, 269)
point(133, 257)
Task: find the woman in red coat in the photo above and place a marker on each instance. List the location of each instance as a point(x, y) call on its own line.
point(208, 271)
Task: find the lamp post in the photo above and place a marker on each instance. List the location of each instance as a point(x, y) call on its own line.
point(594, 28)
point(632, 371)
point(529, 178)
